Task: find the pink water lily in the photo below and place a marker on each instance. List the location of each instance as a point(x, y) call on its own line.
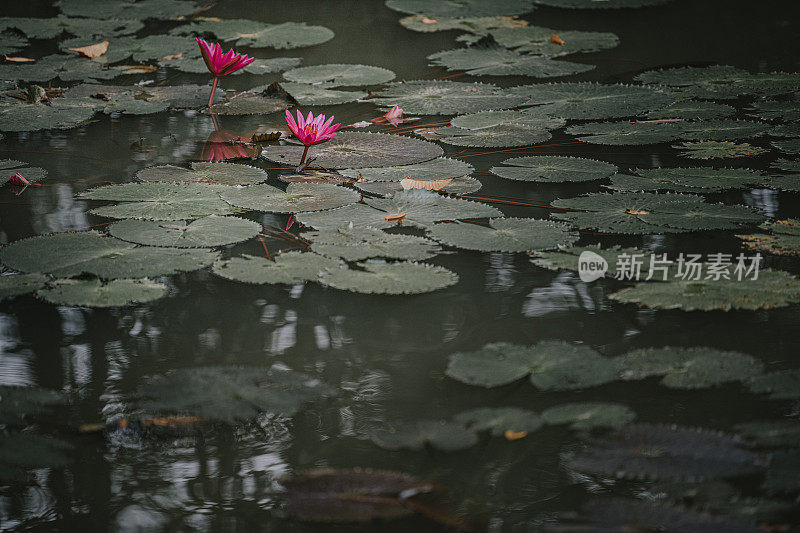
point(18, 179)
point(220, 64)
point(311, 130)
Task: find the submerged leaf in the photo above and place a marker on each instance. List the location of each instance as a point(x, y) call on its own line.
point(444, 436)
point(589, 415)
point(500, 420)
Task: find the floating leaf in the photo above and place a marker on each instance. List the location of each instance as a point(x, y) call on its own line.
point(92, 50)
point(696, 180)
point(463, 8)
point(10, 43)
point(443, 436)
point(288, 268)
point(693, 110)
point(205, 232)
point(230, 393)
point(423, 208)
point(338, 75)
point(308, 95)
point(689, 368)
point(645, 213)
point(495, 136)
point(713, 82)
point(791, 146)
point(61, 113)
point(462, 185)
point(600, 4)
point(402, 277)
point(259, 101)
point(87, 28)
point(211, 173)
point(297, 198)
point(589, 415)
point(17, 284)
point(552, 365)
point(95, 293)
point(780, 385)
point(591, 100)
point(355, 150)
point(73, 254)
point(487, 119)
point(773, 288)
point(632, 133)
point(177, 96)
point(783, 182)
point(537, 40)
point(10, 167)
point(647, 451)
point(785, 238)
point(771, 433)
point(553, 169)
point(18, 403)
point(425, 24)
point(435, 169)
point(505, 235)
point(718, 150)
point(499, 420)
point(358, 244)
point(445, 97)
point(775, 110)
point(567, 258)
point(139, 10)
point(357, 215)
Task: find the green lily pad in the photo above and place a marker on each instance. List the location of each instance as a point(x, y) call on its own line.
point(297, 198)
point(131, 104)
point(600, 4)
point(357, 215)
point(553, 169)
point(355, 150)
point(10, 167)
point(306, 94)
point(206, 232)
point(589, 415)
point(480, 25)
point(551, 365)
point(498, 420)
point(73, 254)
point(568, 257)
point(435, 169)
point(505, 235)
point(792, 146)
point(422, 208)
point(591, 100)
point(487, 119)
point(771, 433)
point(258, 101)
point(688, 368)
point(718, 82)
point(785, 111)
point(177, 96)
point(19, 403)
point(787, 165)
point(692, 180)
point(95, 293)
point(536, 40)
point(462, 185)
point(338, 75)
point(140, 49)
point(230, 393)
point(646, 213)
point(783, 182)
point(780, 385)
point(718, 150)
point(443, 436)
point(17, 284)
point(257, 34)
point(402, 277)
point(634, 133)
point(646, 451)
point(445, 97)
point(10, 43)
point(210, 173)
point(773, 288)
point(495, 136)
point(463, 8)
point(61, 114)
point(693, 110)
point(287, 268)
point(358, 244)
point(491, 59)
point(784, 240)
point(129, 9)
point(90, 29)
point(160, 201)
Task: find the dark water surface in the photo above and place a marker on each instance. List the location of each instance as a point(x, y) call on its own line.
point(386, 355)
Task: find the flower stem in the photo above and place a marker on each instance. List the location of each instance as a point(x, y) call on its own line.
point(213, 90)
point(303, 159)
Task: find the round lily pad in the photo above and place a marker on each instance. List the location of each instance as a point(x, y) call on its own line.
point(537, 40)
point(91, 29)
point(206, 232)
point(487, 119)
point(780, 385)
point(307, 94)
point(718, 150)
point(357, 215)
point(785, 111)
point(443, 436)
point(464, 8)
point(434, 169)
point(16, 284)
point(791, 146)
point(288, 268)
point(553, 169)
point(210, 173)
point(446, 97)
point(140, 9)
point(499, 420)
point(494, 136)
point(258, 101)
point(355, 150)
point(401, 277)
point(338, 75)
point(492, 59)
point(505, 235)
point(693, 110)
point(479, 25)
point(784, 240)
point(95, 293)
point(298, 197)
point(358, 244)
point(713, 82)
point(634, 133)
point(694, 180)
point(62, 114)
point(600, 4)
point(589, 415)
point(773, 288)
point(422, 208)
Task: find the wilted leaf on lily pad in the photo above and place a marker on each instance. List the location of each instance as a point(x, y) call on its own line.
point(505, 235)
point(718, 150)
point(422, 208)
point(551, 365)
point(338, 75)
point(780, 385)
point(434, 169)
point(358, 244)
point(693, 110)
point(591, 100)
point(17, 284)
point(646, 213)
point(230, 393)
point(357, 215)
point(600, 4)
point(18, 403)
point(88, 252)
point(463, 8)
point(443, 436)
point(287, 268)
point(426, 24)
point(589, 415)
point(499, 420)
point(503, 135)
point(210, 173)
point(462, 185)
point(444, 97)
point(160, 201)
point(401, 277)
point(689, 368)
point(206, 232)
point(646, 451)
point(10, 167)
point(693, 180)
point(95, 293)
point(297, 198)
point(537, 40)
point(773, 288)
point(771, 433)
point(22, 451)
point(356, 150)
point(553, 169)
point(784, 240)
point(307, 94)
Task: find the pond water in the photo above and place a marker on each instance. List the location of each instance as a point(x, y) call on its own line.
point(384, 357)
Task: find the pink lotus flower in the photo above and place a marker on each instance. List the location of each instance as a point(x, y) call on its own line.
point(220, 64)
point(18, 179)
point(311, 130)
point(394, 117)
